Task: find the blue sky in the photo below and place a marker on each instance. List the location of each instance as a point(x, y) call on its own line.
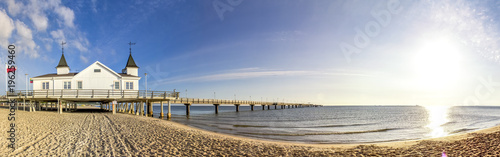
point(324, 52)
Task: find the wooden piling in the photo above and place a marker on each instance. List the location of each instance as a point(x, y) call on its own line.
point(114, 107)
point(216, 108)
point(150, 108)
point(169, 113)
point(161, 109)
point(188, 108)
point(59, 106)
point(237, 106)
point(136, 104)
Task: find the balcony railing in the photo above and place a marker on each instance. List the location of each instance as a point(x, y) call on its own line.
point(92, 93)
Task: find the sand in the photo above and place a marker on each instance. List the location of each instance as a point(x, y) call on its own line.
point(46, 133)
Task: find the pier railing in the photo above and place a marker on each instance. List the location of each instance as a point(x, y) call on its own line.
point(92, 93)
point(222, 101)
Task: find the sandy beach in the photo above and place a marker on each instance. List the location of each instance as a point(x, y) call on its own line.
point(45, 133)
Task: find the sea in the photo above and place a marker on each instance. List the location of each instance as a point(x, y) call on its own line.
point(338, 124)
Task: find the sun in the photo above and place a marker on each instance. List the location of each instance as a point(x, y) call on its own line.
point(437, 64)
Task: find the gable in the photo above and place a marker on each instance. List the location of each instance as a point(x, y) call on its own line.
point(97, 69)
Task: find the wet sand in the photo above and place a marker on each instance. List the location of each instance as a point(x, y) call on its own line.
point(45, 133)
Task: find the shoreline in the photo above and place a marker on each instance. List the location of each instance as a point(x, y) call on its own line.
point(44, 133)
point(394, 144)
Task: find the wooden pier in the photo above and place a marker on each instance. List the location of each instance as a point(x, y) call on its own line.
point(138, 102)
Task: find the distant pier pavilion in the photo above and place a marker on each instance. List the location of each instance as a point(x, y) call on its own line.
point(115, 92)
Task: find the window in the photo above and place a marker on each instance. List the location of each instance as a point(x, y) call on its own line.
point(129, 85)
point(67, 84)
point(80, 84)
point(97, 70)
point(117, 85)
point(45, 85)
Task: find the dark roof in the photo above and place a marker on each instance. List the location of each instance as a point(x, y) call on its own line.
point(131, 62)
point(73, 74)
point(124, 74)
point(62, 62)
point(55, 75)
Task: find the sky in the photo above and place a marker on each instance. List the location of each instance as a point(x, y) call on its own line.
point(380, 52)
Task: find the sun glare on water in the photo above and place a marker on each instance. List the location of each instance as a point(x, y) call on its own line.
point(437, 116)
point(437, 64)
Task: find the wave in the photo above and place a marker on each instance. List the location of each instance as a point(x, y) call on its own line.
point(462, 130)
point(320, 126)
point(319, 133)
point(448, 123)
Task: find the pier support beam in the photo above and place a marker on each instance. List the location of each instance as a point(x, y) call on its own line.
point(263, 107)
point(251, 106)
point(114, 107)
point(216, 108)
point(275, 107)
point(141, 105)
point(169, 113)
point(161, 109)
point(132, 106)
point(150, 108)
point(59, 106)
point(136, 108)
point(31, 106)
point(188, 108)
point(268, 107)
point(237, 106)
point(127, 107)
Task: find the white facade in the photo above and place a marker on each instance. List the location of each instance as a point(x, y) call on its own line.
point(95, 76)
point(62, 70)
point(132, 71)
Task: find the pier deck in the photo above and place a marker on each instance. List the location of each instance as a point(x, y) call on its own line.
point(128, 101)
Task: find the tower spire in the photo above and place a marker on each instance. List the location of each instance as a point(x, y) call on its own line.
point(130, 43)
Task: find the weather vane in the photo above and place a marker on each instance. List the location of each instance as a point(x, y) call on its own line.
point(130, 43)
point(62, 45)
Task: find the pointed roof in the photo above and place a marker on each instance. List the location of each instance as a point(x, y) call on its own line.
point(131, 62)
point(62, 62)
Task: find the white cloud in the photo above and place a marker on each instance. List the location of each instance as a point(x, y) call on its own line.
point(23, 30)
point(6, 28)
point(13, 7)
point(79, 46)
point(67, 15)
point(84, 59)
point(81, 43)
point(40, 21)
point(247, 73)
point(24, 40)
point(94, 6)
point(34, 26)
point(58, 35)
